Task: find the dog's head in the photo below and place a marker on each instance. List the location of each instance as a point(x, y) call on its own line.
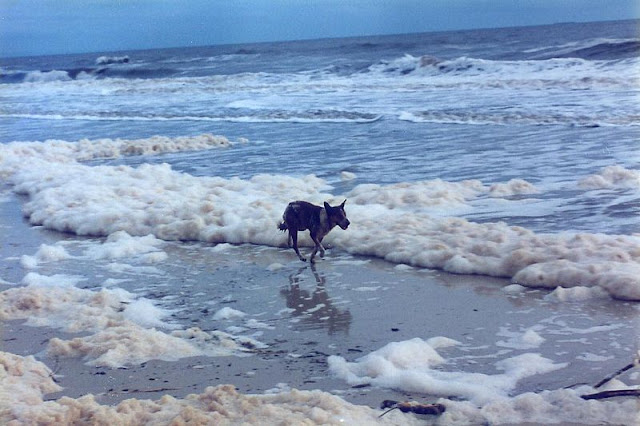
point(337, 215)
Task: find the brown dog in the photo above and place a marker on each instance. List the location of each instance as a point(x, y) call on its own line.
point(301, 215)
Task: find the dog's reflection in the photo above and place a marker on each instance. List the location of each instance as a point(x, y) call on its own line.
point(315, 309)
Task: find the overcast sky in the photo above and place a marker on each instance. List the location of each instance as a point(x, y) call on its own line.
point(34, 27)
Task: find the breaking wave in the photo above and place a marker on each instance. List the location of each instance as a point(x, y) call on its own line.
point(103, 70)
point(108, 60)
point(491, 73)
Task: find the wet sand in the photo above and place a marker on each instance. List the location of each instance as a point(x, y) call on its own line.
point(345, 305)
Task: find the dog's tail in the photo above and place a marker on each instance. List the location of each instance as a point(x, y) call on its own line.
point(282, 226)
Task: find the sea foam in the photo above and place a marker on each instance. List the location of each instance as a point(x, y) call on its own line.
point(405, 223)
point(25, 381)
point(117, 327)
point(416, 365)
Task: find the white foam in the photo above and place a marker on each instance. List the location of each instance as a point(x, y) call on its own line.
point(481, 73)
point(562, 406)
point(511, 188)
point(347, 176)
point(12, 155)
point(145, 313)
point(612, 177)
point(46, 76)
point(496, 249)
point(576, 294)
point(415, 366)
point(410, 366)
point(122, 245)
point(25, 382)
point(228, 313)
point(58, 280)
point(513, 289)
point(425, 193)
point(253, 323)
point(45, 254)
point(107, 60)
point(405, 223)
point(117, 325)
point(528, 339)
point(594, 357)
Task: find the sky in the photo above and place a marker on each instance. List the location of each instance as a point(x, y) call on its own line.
point(39, 27)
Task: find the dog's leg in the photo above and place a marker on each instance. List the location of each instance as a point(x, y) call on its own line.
point(294, 237)
point(318, 246)
point(321, 247)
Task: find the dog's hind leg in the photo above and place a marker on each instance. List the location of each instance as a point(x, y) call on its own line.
point(294, 238)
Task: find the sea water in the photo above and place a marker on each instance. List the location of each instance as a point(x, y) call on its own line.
point(509, 153)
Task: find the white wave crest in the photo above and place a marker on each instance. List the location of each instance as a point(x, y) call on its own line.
point(46, 76)
point(544, 73)
point(107, 60)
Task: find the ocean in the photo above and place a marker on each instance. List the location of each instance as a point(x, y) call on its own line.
point(501, 158)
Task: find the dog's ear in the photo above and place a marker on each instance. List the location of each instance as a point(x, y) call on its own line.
point(327, 207)
point(342, 205)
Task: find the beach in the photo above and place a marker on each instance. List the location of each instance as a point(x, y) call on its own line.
point(491, 266)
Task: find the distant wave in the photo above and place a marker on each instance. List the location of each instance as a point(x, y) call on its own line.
point(429, 65)
point(527, 118)
point(596, 49)
point(108, 60)
point(84, 73)
point(567, 72)
point(260, 116)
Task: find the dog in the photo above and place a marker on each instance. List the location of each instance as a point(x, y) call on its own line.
point(301, 215)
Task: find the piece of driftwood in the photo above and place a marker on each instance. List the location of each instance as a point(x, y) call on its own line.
point(616, 374)
point(412, 407)
point(612, 394)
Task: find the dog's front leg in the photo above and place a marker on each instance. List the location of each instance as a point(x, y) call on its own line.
point(318, 246)
point(294, 238)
